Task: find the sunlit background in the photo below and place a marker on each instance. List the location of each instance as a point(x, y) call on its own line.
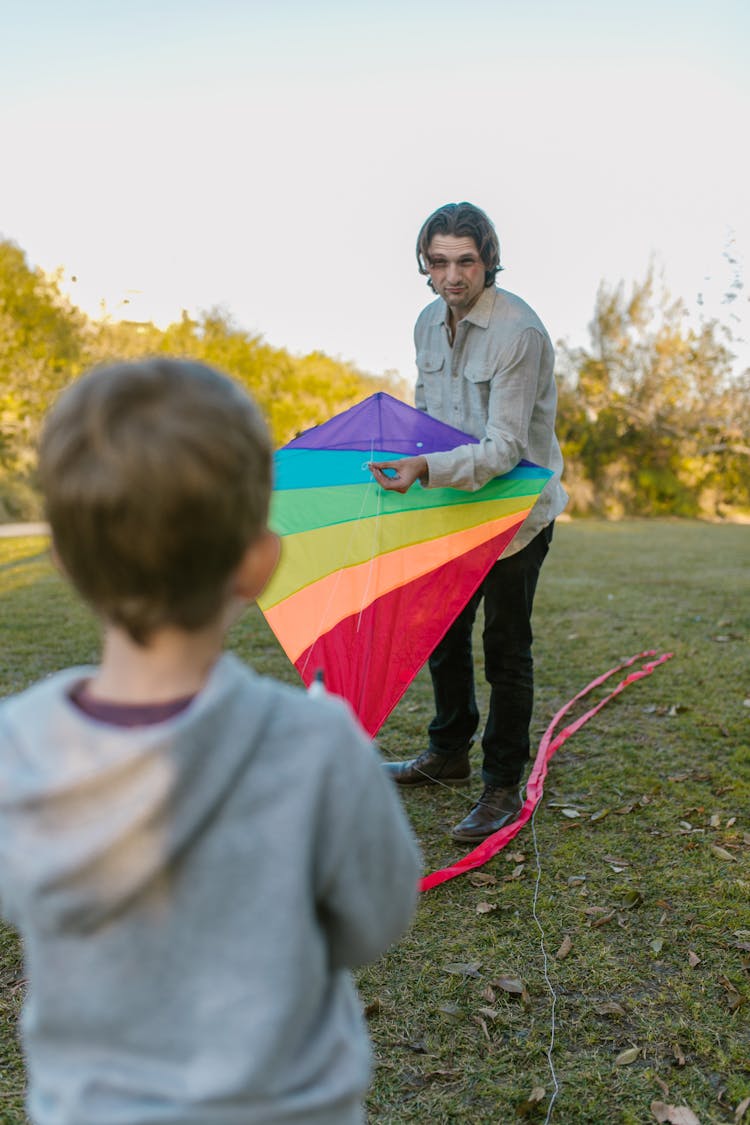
point(277, 159)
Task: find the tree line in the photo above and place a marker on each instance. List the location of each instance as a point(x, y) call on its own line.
point(653, 419)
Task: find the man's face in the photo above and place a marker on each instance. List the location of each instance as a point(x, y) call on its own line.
point(456, 272)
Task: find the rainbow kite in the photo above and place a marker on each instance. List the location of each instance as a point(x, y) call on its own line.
point(369, 581)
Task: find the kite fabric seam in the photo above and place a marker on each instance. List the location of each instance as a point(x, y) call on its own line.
point(376, 611)
point(548, 746)
point(326, 607)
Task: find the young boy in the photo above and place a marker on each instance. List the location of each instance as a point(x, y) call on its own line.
point(194, 855)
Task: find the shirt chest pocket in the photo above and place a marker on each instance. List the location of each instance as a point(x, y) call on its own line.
point(478, 373)
point(476, 388)
point(430, 363)
point(432, 369)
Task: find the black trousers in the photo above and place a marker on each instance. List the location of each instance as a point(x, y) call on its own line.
point(508, 592)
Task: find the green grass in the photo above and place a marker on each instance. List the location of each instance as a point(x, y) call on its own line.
point(658, 920)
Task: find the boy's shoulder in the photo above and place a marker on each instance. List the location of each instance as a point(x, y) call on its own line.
point(249, 721)
point(292, 740)
point(39, 697)
point(235, 694)
point(292, 714)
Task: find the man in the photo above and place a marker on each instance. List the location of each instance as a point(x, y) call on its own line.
point(485, 365)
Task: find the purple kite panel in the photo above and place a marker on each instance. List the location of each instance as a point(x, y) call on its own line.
point(382, 422)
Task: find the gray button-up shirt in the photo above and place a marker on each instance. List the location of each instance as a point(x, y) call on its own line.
point(496, 382)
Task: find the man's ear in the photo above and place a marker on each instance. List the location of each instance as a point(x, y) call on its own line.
point(256, 566)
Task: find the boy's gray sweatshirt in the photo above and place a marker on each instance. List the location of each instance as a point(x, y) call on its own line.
point(191, 896)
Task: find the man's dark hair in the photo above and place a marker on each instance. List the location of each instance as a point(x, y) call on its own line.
point(462, 220)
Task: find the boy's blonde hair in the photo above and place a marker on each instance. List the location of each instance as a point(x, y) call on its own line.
point(157, 477)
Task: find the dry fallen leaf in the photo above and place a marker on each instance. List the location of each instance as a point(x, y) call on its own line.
point(693, 959)
point(722, 853)
point(482, 879)
point(418, 1046)
point(458, 969)
point(609, 1008)
point(733, 997)
point(674, 1114)
point(741, 1110)
point(516, 873)
point(599, 815)
point(451, 1010)
point(631, 899)
point(414, 1078)
point(628, 1056)
point(373, 1008)
point(657, 944)
point(486, 907)
point(530, 1106)
point(679, 1055)
point(514, 986)
point(565, 948)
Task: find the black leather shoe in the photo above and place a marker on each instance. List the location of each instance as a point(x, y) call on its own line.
point(432, 769)
point(496, 807)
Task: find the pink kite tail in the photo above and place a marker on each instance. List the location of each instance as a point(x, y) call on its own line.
point(535, 785)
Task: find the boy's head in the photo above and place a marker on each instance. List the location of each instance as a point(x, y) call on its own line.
point(157, 478)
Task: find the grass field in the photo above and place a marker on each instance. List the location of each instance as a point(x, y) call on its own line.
point(598, 970)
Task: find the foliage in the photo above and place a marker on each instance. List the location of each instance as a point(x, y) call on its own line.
point(653, 420)
point(45, 342)
point(293, 392)
point(631, 916)
point(41, 337)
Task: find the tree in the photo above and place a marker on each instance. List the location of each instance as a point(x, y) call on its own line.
point(652, 413)
point(41, 348)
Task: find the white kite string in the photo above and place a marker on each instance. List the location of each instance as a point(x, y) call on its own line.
point(550, 986)
point(337, 578)
point(375, 531)
point(545, 960)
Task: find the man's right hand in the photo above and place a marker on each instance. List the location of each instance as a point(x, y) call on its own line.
point(406, 471)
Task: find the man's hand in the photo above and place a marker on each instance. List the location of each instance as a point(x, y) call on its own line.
point(406, 471)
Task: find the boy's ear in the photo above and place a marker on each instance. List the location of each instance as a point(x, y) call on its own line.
point(55, 557)
point(256, 566)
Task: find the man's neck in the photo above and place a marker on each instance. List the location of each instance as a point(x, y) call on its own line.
point(450, 324)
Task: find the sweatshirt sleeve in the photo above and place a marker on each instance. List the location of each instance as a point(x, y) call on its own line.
point(513, 393)
point(369, 862)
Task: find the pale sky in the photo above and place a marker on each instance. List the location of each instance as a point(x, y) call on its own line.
point(277, 157)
